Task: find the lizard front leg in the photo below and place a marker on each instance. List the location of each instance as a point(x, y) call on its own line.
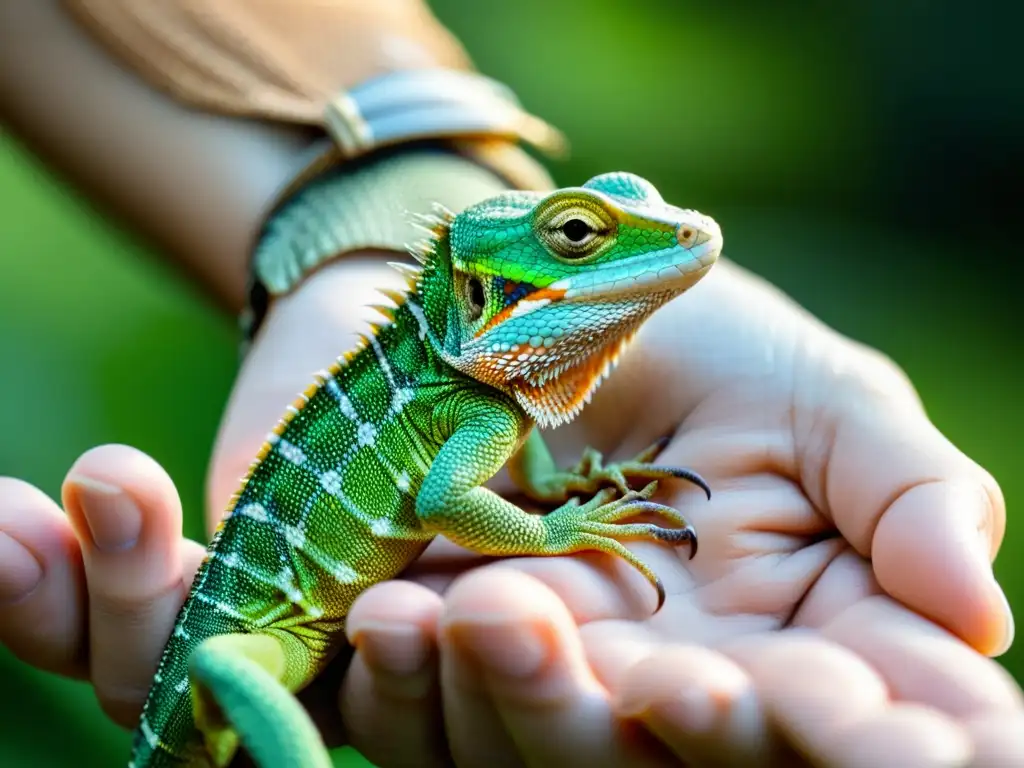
point(452, 502)
point(534, 470)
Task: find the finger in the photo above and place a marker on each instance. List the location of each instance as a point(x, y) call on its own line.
point(904, 735)
point(998, 740)
point(930, 519)
point(42, 585)
point(516, 685)
point(128, 517)
point(812, 690)
point(700, 704)
point(592, 585)
point(921, 662)
point(391, 685)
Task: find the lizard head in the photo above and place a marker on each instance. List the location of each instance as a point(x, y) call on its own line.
point(549, 289)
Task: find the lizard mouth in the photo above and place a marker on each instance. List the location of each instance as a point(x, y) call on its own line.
point(670, 271)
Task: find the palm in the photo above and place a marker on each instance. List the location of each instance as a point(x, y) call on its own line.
point(763, 545)
point(735, 418)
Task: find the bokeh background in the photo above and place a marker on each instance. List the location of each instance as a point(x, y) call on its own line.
point(861, 155)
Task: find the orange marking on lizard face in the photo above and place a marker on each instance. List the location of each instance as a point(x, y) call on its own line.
point(552, 294)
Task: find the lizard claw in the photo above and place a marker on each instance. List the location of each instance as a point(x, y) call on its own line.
point(660, 587)
point(592, 472)
point(680, 473)
point(686, 533)
point(654, 449)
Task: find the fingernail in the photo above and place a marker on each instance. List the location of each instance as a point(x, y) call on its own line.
point(20, 571)
point(692, 710)
point(507, 647)
point(399, 649)
point(1008, 632)
point(631, 704)
point(398, 655)
point(113, 519)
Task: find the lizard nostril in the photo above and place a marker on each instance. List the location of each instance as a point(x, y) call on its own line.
point(686, 235)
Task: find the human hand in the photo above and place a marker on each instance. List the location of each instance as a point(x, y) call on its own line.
point(781, 640)
point(781, 416)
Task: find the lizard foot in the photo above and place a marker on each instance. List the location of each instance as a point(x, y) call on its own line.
point(594, 525)
point(592, 473)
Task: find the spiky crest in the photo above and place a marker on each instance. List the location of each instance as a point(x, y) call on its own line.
point(387, 312)
point(436, 225)
point(408, 271)
point(396, 296)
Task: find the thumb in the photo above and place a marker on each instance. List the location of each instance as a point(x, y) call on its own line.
point(929, 518)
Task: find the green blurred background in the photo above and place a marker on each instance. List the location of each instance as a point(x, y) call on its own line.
point(859, 155)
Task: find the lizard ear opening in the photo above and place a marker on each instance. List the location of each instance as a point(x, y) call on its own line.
point(475, 297)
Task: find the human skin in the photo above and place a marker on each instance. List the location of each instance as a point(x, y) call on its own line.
point(777, 638)
point(781, 640)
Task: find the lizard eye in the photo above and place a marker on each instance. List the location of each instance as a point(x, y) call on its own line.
point(576, 230)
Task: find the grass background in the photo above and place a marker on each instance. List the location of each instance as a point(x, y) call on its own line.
point(859, 155)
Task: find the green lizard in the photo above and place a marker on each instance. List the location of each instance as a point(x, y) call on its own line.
point(522, 305)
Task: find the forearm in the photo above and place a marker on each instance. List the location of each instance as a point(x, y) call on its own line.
point(195, 183)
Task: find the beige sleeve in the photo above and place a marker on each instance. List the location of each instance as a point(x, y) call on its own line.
point(186, 116)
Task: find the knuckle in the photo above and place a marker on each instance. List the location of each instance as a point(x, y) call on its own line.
point(15, 495)
point(12, 485)
point(883, 375)
point(121, 703)
point(60, 654)
point(137, 610)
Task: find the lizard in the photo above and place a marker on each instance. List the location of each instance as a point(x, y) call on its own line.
point(517, 309)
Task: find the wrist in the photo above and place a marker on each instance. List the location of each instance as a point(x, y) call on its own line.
point(335, 297)
point(369, 205)
point(367, 74)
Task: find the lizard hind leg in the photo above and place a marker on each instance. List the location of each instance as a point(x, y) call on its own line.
point(240, 699)
point(594, 471)
point(534, 470)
